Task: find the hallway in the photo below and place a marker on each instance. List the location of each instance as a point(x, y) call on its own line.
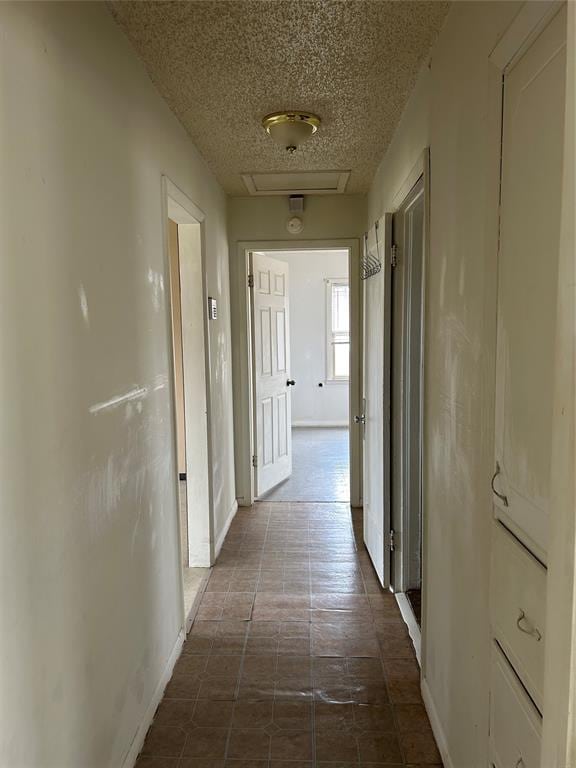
point(320, 467)
point(222, 219)
point(296, 657)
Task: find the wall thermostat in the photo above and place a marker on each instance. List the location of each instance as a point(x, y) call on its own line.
point(212, 308)
point(295, 225)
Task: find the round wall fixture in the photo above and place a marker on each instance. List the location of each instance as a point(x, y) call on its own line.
point(295, 225)
point(290, 129)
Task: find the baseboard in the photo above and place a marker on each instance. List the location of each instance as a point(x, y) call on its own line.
point(138, 741)
point(436, 724)
point(326, 424)
point(196, 604)
point(411, 623)
point(224, 531)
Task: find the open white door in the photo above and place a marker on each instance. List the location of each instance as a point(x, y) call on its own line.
point(376, 393)
point(271, 366)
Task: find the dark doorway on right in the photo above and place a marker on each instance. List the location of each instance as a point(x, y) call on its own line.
point(406, 397)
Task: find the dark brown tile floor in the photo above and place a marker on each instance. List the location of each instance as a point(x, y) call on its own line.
point(297, 658)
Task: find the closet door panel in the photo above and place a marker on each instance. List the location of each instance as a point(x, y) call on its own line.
point(528, 261)
point(519, 610)
point(515, 724)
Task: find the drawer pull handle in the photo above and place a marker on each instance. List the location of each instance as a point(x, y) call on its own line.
point(529, 629)
point(501, 496)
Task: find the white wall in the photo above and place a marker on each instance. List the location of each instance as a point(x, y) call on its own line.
point(325, 217)
point(313, 405)
point(450, 109)
point(89, 582)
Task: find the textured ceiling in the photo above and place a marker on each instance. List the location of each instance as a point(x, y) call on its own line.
point(223, 64)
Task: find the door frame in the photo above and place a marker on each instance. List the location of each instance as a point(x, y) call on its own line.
point(176, 205)
point(420, 170)
point(401, 521)
point(243, 384)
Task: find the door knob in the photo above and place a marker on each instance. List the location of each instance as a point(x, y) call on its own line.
point(290, 383)
point(360, 419)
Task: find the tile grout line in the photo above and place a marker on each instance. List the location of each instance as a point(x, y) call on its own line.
point(242, 658)
point(277, 647)
point(311, 649)
point(195, 699)
point(382, 660)
point(358, 754)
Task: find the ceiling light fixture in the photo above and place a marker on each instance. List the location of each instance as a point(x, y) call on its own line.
point(291, 128)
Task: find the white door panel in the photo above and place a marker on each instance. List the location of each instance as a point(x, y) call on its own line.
point(376, 382)
point(271, 340)
point(528, 261)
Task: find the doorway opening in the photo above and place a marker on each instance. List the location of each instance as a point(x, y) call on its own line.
point(294, 403)
point(393, 276)
point(190, 377)
point(301, 374)
point(407, 297)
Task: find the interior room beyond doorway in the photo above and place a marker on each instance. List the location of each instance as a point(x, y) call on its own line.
point(319, 355)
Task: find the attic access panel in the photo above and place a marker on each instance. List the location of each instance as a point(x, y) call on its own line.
point(297, 183)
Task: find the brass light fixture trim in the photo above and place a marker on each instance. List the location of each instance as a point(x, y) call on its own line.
point(291, 128)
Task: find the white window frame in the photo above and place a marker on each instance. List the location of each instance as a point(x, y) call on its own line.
point(329, 343)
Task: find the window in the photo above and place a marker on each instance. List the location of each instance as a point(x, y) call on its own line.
point(337, 330)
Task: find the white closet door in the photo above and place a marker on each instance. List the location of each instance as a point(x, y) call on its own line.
point(272, 402)
point(528, 261)
point(376, 382)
